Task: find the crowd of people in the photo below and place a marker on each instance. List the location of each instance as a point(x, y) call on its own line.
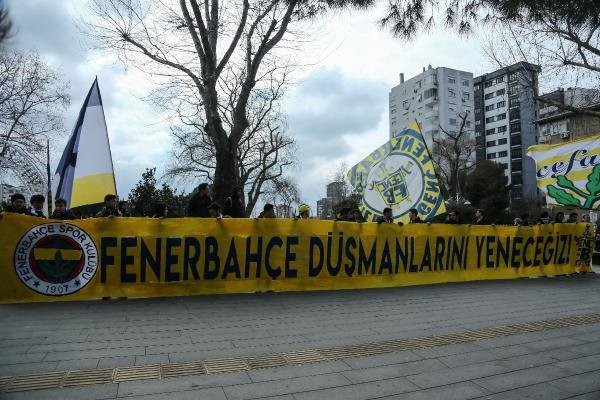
point(201, 205)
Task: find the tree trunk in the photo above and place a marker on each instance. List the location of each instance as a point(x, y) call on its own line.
point(226, 172)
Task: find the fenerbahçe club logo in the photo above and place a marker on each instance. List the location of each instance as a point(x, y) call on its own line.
point(56, 259)
point(399, 175)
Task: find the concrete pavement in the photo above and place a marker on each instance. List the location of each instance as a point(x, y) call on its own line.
point(548, 364)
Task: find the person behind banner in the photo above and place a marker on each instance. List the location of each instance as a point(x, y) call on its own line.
point(544, 218)
point(268, 211)
point(303, 211)
point(161, 210)
point(200, 202)
point(518, 222)
point(452, 218)
point(110, 208)
point(214, 211)
point(573, 217)
point(125, 208)
point(413, 216)
point(479, 218)
point(17, 204)
point(234, 204)
point(37, 206)
point(585, 218)
point(61, 211)
point(559, 218)
point(386, 218)
point(344, 214)
point(357, 216)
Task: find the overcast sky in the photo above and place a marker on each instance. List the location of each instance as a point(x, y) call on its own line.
point(337, 112)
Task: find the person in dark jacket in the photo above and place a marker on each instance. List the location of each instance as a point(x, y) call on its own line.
point(479, 218)
point(37, 205)
point(234, 204)
point(17, 204)
point(61, 211)
point(559, 217)
point(268, 211)
point(110, 208)
point(200, 202)
point(452, 218)
point(387, 217)
point(413, 215)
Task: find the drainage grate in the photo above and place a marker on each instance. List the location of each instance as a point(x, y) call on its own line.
point(235, 364)
point(173, 370)
point(138, 372)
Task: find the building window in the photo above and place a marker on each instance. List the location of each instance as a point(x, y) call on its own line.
point(488, 84)
point(517, 180)
point(490, 119)
point(500, 79)
point(468, 124)
point(478, 122)
point(491, 156)
point(477, 134)
point(516, 153)
point(503, 154)
point(489, 108)
point(513, 101)
point(500, 104)
point(477, 111)
point(418, 84)
point(500, 116)
point(500, 92)
point(465, 82)
point(453, 121)
point(504, 166)
point(405, 104)
point(502, 141)
point(502, 129)
point(489, 96)
point(490, 131)
point(512, 77)
point(513, 89)
point(466, 96)
point(451, 93)
point(451, 80)
point(430, 93)
point(477, 87)
point(515, 127)
point(491, 143)
point(393, 111)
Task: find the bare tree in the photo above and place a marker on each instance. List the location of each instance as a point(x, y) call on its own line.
point(219, 55)
point(454, 156)
point(567, 49)
point(283, 193)
point(33, 98)
point(264, 152)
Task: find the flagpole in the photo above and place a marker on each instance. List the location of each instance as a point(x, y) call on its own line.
point(48, 177)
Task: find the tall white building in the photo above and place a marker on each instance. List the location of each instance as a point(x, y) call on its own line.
point(436, 98)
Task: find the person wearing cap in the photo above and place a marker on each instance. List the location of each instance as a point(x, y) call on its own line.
point(17, 204)
point(200, 202)
point(303, 211)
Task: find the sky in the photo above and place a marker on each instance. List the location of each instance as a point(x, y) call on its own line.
point(337, 109)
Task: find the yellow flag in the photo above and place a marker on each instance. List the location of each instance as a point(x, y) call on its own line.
point(399, 175)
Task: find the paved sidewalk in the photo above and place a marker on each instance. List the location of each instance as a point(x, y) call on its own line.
point(550, 364)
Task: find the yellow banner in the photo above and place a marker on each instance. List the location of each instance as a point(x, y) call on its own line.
point(45, 260)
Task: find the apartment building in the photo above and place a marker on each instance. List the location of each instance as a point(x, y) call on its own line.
point(505, 115)
point(436, 98)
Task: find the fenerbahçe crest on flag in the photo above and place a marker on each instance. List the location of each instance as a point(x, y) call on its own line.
point(569, 174)
point(399, 175)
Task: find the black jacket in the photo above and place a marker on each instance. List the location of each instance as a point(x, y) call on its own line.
point(234, 208)
point(64, 215)
point(10, 209)
point(198, 206)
